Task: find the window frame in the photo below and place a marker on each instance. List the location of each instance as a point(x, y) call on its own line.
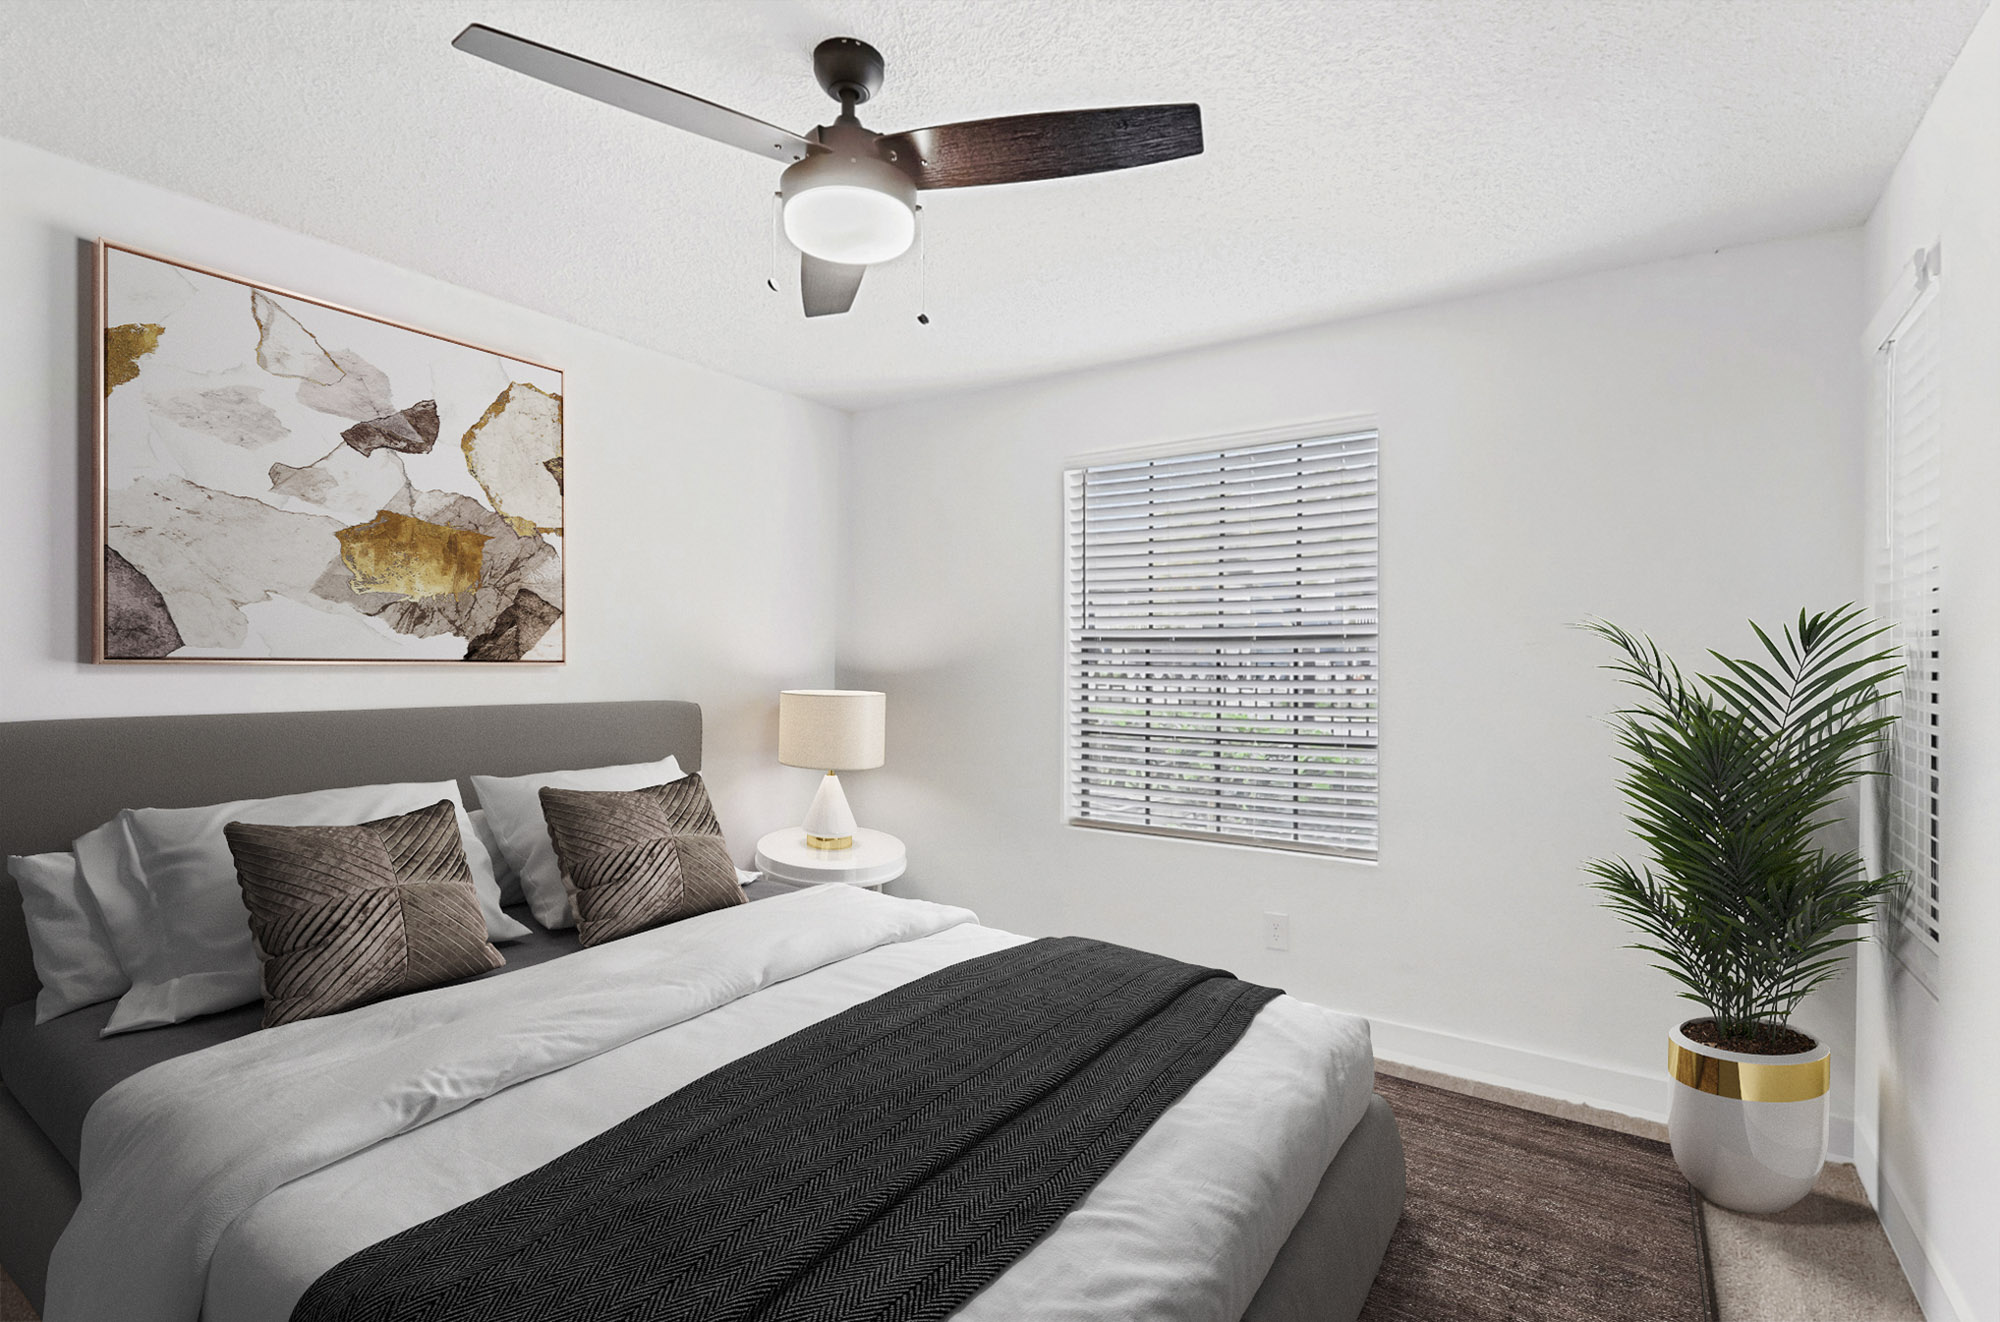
point(1189, 446)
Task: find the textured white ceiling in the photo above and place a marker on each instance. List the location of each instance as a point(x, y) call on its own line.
point(1361, 154)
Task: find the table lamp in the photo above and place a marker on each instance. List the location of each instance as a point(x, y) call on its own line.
point(830, 730)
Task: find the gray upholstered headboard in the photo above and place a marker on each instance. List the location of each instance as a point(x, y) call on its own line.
point(59, 779)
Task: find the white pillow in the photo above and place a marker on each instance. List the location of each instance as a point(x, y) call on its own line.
point(72, 950)
point(513, 808)
point(166, 884)
point(503, 871)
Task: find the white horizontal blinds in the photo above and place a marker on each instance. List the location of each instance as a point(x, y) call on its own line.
point(1222, 662)
point(1915, 609)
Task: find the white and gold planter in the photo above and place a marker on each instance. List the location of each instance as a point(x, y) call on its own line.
point(1748, 1131)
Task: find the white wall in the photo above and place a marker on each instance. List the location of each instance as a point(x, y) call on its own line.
point(1673, 446)
point(1929, 1068)
point(700, 539)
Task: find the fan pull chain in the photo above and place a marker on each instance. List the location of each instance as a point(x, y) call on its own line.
point(923, 275)
point(777, 214)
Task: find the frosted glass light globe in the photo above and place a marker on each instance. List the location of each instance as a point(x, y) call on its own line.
point(850, 224)
point(848, 205)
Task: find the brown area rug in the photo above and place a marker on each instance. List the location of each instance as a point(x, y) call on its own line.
point(1517, 1216)
point(13, 1304)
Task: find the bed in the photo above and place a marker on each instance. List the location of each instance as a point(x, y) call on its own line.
point(1301, 1239)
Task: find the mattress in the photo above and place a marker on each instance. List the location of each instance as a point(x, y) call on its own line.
point(58, 1070)
point(450, 1094)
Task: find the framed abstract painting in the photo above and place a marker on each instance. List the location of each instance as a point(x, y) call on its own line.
point(284, 479)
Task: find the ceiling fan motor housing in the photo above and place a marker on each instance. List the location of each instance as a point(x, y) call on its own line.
point(848, 68)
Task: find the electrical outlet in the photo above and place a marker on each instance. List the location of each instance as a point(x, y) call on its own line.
point(1277, 931)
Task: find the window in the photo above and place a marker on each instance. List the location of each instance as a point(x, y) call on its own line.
point(1912, 603)
point(1222, 663)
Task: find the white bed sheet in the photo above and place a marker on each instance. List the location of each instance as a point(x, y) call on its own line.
point(1184, 1227)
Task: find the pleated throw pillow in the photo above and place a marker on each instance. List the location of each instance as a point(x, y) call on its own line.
point(345, 915)
point(513, 810)
point(634, 859)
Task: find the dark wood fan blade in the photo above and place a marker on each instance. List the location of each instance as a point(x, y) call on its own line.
point(601, 82)
point(1020, 148)
point(827, 287)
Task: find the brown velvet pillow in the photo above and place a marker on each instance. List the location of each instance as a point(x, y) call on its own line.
point(634, 859)
point(344, 915)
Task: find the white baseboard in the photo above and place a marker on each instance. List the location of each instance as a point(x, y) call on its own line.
point(1937, 1291)
point(1561, 1078)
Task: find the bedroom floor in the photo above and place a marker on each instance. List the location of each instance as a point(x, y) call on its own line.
point(1825, 1260)
point(13, 1308)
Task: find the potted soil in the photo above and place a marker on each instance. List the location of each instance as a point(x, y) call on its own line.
point(1731, 778)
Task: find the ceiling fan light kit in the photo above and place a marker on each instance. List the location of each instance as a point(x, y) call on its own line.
point(848, 194)
point(847, 204)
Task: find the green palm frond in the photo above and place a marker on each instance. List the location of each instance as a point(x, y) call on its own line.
point(1730, 778)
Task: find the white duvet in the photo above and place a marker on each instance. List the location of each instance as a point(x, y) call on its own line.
point(219, 1185)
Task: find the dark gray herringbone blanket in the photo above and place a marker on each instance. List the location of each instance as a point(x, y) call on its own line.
point(883, 1164)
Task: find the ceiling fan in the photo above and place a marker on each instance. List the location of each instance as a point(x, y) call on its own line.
point(849, 193)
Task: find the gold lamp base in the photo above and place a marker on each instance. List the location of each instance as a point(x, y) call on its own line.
point(829, 841)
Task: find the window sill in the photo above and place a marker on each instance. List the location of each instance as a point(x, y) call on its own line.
point(1329, 852)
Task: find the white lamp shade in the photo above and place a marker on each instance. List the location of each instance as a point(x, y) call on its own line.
point(831, 729)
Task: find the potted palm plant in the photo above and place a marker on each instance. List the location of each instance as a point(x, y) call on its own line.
point(1731, 778)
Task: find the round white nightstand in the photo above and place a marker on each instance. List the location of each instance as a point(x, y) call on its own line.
point(873, 858)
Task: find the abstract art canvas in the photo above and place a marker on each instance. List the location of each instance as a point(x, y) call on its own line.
point(283, 479)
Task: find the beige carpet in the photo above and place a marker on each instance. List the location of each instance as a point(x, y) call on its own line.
point(1824, 1260)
